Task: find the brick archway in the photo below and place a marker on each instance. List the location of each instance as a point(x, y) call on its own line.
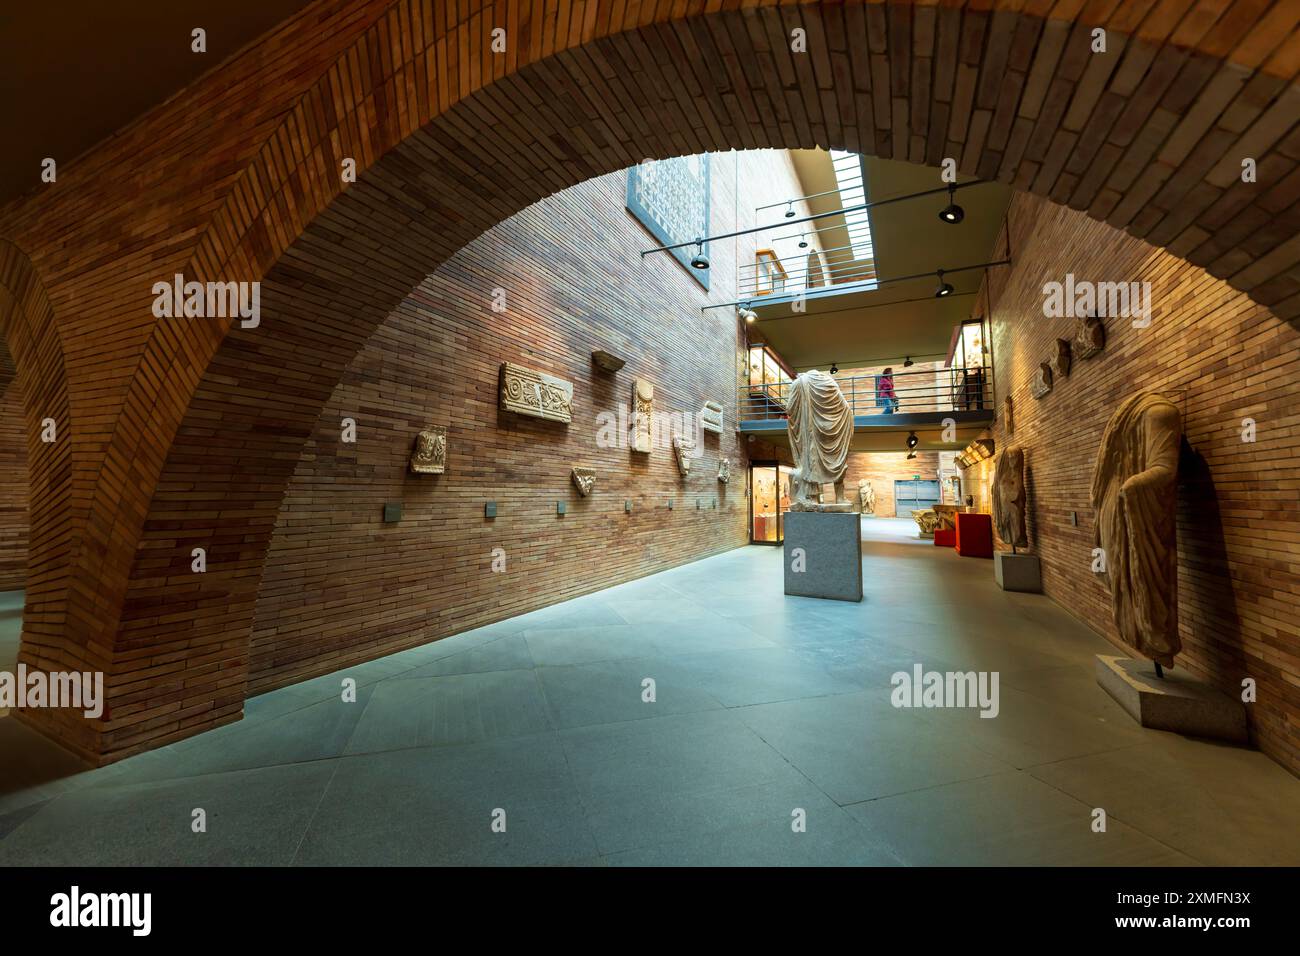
point(30, 339)
point(450, 138)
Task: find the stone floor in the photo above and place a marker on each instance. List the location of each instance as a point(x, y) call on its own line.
point(764, 706)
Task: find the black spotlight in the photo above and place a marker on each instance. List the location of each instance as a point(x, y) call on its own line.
point(952, 213)
point(834, 368)
point(907, 362)
point(945, 288)
point(912, 440)
point(803, 243)
point(911, 455)
point(789, 210)
point(701, 261)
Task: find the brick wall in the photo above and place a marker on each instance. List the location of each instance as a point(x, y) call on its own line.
point(342, 586)
point(13, 489)
point(1224, 359)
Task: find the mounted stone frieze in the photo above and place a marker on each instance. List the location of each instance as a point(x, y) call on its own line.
point(711, 417)
point(1061, 358)
point(584, 479)
point(683, 448)
point(429, 457)
point(1089, 338)
point(526, 391)
point(1042, 383)
point(643, 407)
point(724, 471)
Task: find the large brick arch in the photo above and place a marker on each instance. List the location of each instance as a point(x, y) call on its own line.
point(31, 340)
point(450, 138)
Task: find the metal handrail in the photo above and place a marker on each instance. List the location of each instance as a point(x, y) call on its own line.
point(839, 272)
point(932, 390)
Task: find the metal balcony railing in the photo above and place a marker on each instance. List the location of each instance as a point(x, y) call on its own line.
point(753, 282)
point(943, 390)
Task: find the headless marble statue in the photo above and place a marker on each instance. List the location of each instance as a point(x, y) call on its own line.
point(1009, 498)
point(820, 429)
point(1134, 495)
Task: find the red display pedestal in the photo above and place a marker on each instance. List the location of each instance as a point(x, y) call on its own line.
point(945, 537)
point(974, 536)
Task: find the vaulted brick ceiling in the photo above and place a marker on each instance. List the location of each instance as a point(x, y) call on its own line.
point(75, 72)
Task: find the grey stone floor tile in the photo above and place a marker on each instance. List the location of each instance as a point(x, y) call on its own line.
point(457, 709)
point(316, 732)
point(612, 691)
point(1221, 805)
point(590, 615)
point(756, 676)
point(741, 826)
point(254, 817)
point(832, 839)
point(764, 703)
point(634, 760)
point(1007, 819)
point(586, 645)
point(858, 747)
point(504, 654)
point(435, 806)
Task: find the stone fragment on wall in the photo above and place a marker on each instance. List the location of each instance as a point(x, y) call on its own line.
point(526, 391)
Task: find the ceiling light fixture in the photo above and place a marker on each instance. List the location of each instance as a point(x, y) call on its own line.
point(834, 368)
point(908, 363)
point(803, 243)
point(945, 288)
point(911, 455)
point(912, 440)
point(789, 209)
point(952, 213)
point(701, 261)
point(749, 315)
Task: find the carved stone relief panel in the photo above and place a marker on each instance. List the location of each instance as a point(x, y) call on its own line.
point(1042, 383)
point(711, 417)
point(429, 457)
point(584, 479)
point(526, 391)
point(683, 448)
point(643, 406)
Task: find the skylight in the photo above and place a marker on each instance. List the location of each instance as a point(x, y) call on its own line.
point(849, 181)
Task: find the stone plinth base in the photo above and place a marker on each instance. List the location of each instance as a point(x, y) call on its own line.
point(823, 555)
point(1175, 702)
point(1018, 572)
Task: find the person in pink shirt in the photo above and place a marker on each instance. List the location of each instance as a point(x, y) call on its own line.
point(885, 389)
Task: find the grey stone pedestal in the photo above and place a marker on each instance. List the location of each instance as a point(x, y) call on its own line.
point(1017, 572)
point(1175, 702)
point(827, 547)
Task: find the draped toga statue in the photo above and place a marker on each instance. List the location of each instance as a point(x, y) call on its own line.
point(821, 427)
point(1134, 496)
point(866, 496)
point(1009, 498)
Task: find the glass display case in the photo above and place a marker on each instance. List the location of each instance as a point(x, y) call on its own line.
point(769, 500)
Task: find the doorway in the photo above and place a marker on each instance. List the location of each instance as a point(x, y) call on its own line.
point(769, 499)
point(914, 495)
